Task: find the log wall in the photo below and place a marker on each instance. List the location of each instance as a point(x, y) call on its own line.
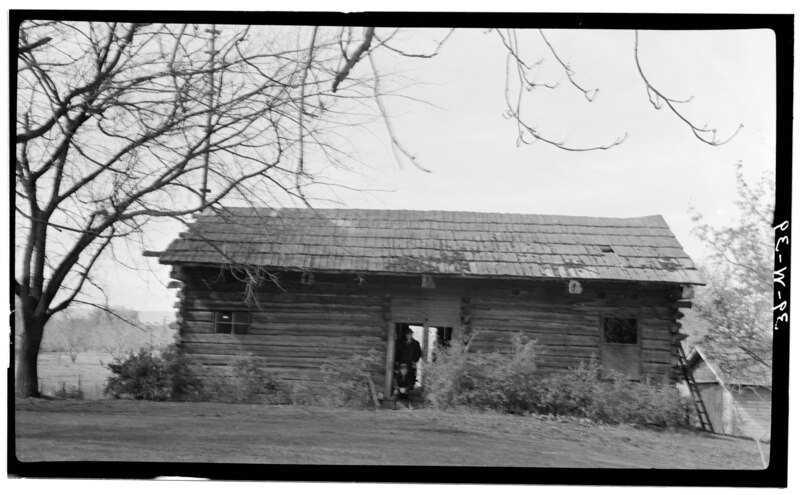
point(291, 331)
point(295, 330)
point(568, 327)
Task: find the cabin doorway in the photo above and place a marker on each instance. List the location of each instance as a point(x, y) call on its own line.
point(430, 338)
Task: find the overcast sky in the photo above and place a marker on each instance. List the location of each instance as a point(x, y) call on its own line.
point(454, 124)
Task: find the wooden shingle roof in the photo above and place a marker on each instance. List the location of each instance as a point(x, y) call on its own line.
point(437, 242)
point(728, 365)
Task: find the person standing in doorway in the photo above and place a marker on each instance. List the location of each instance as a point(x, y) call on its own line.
point(408, 353)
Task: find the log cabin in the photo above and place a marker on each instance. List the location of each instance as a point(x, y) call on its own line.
point(296, 286)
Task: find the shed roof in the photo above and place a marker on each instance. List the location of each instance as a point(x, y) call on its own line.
point(499, 245)
point(730, 365)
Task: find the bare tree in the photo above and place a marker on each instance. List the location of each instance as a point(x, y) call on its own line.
point(123, 124)
point(120, 334)
point(72, 341)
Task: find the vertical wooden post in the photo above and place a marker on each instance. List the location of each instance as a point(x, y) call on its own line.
point(390, 350)
point(422, 368)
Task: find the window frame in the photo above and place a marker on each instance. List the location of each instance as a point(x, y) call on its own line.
point(637, 330)
point(239, 323)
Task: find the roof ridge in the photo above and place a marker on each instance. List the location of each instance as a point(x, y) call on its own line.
point(654, 217)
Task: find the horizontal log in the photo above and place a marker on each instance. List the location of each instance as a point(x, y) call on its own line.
point(194, 315)
point(297, 316)
point(654, 333)
point(229, 360)
point(568, 301)
point(530, 316)
point(269, 352)
point(334, 297)
point(292, 329)
point(585, 312)
point(656, 357)
point(216, 305)
point(543, 351)
point(281, 339)
point(189, 327)
point(321, 318)
point(541, 338)
point(656, 346)
point(283, 372)
point(655, 368)
point(532, 332)
point(199, 327)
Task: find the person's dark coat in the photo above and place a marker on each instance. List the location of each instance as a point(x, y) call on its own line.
point(409, 353)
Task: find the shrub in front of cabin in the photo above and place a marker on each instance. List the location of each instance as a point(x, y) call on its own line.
point(569, 393)
point(184, 384)
point(448, 377)
point(150, 376)
point(346, 379)
point(245, 381)
point(499, 381)
point(509, 383)
point(254, 384)
point(625, 401)
point(139, 376)
point(302, 395)
point(614, 399)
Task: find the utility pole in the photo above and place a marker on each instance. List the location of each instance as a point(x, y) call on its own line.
point(212, 52)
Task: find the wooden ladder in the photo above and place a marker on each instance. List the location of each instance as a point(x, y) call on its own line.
point(702, 413)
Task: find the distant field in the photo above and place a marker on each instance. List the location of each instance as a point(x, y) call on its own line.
point(125, 430)
point(89, 371)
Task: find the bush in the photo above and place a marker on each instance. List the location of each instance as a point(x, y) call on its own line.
point(148, 376)
point(139, 376)
point(73, 392)
point(624, 401)
point(503, 382)
point(570, 393)
point(302, 395)
point(347, 377)
point(509, 383)
point(447, 377)
point(248, 383)
point(183, 383)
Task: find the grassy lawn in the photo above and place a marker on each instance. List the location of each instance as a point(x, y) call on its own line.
point(120, 430)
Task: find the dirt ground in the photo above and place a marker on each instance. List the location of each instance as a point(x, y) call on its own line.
point(119, 430)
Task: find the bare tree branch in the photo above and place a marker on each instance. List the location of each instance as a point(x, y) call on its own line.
point(704, 134)
point(28, 47)
point(396, 144)
point(369, 33)
point(385, 44)
point(589, 94)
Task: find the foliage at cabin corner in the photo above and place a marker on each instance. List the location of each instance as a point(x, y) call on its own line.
point(738, 268)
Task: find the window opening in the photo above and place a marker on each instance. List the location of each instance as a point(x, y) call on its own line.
point(231, 322)
point(444, 335)
point(620, 331)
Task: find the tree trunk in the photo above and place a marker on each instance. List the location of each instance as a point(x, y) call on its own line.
point(27, 373)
